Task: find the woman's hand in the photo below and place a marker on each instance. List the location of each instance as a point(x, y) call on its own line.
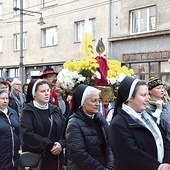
point(164, 166)
point(57, 148)
point(159, 104)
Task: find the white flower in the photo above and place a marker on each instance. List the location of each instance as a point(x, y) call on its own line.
point(111, 81)
point(120, 77)
point(116, 79)
point(97, 75)
point(68, 78)
point(81, 79)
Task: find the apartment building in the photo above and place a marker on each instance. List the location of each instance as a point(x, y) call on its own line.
point(51, 44)
point(137, 33)
point(140, 37)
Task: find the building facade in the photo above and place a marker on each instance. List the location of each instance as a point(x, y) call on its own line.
point(140, 37)
point(57, 41)
point(137, 33)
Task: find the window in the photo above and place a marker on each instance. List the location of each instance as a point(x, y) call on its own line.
point(0, 10)
point(17, 41)
point(49, 36)
point(46, 3)
point(143, 20)
point(17, 4)
point(1, 45)
point(79, 28)
point(13, 72)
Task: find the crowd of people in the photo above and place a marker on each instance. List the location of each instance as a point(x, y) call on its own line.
point(71, 133)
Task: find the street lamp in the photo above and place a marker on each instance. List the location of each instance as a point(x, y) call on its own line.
point(41, 22)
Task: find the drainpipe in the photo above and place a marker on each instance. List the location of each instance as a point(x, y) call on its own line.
point(110, 30)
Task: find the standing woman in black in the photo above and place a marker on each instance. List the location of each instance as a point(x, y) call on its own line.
point(136, 140)
point(36, 118)
point(9, 133)
point(87, 133)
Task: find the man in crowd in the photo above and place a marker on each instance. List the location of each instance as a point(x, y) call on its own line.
point(55, 96)
point(9, 80)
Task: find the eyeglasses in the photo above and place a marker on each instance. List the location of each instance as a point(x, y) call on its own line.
point(2, 90)
point(96, 100)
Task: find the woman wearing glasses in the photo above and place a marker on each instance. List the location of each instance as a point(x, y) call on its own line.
point(86, 133)
point(9, 133)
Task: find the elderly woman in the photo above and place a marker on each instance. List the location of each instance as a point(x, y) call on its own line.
point(87, 133)
point(9, 133)
point(159, 104)
point(37, 117)
point(17, 94)
point(135, 138)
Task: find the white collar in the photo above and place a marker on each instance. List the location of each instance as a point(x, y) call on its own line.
point(40, 106)
point(4, 110)
point(131, 112)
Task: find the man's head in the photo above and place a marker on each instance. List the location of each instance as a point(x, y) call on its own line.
point(5, 85)
point(9, 80)
point(1, 79)
point(50, 76)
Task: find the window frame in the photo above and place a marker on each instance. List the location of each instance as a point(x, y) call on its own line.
point(1, 11)
point(16, 39)
point(1, 44)
point(46, 35)
point(47, 3)
point(17, 4)
point(148, 18)
point(79, 29)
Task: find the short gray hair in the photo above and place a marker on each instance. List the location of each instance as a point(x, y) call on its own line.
point(15, 81)
point(91, 90)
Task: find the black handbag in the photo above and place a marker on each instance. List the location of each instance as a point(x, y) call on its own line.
point(32, 161)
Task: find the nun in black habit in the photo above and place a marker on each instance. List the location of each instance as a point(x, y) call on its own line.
point(136, 140)
point(87, 133)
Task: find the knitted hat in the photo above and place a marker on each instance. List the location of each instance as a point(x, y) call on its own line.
point(154, 82)
point(47, 71)
point(125, 91)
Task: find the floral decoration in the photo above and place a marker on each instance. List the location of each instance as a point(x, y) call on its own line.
point(116, 72)
point(84, 70)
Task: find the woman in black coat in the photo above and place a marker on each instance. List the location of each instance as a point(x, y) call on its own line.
point(9, 134)
point(35, 126)
point(87, 133)
point(136, 140)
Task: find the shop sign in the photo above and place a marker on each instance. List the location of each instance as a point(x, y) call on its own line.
point(146, 56)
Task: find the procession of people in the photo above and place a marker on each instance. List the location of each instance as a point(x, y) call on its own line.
point(76, 136)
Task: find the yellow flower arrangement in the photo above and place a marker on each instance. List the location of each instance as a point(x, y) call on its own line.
point(84, 70)
point(85, 66)
point(116, 72)
point(88, 63)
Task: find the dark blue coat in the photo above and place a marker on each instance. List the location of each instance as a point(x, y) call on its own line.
point(84, 150)
point(9, 139)
point(133, 145)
